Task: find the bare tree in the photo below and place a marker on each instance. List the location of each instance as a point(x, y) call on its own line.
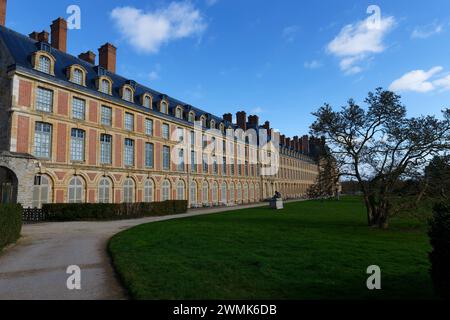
point(379, 145)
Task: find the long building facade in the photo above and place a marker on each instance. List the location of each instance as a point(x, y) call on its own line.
point(73, 131)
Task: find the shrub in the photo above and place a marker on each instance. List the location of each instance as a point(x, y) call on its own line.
point(102, 212)
point(440, 256)
point(10, 223)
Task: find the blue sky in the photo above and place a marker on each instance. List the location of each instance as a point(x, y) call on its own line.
point(279, 59)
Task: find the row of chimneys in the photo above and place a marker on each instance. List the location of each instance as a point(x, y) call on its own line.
point(107, 52)
point(298, 144)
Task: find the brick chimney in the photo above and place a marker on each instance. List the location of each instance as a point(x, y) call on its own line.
point(253, 121)
point(283, 140)
point(59, 34)
point(296, 144)
point(107, 57)
point(305, 144)
point(2, 12)
point(241, 118)
point(266, 125)
point(43, 36)
point(228, 117)
point(288, 142)
point(34, 35)
point(88, 56)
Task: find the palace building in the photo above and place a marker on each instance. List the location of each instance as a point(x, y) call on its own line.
point(73, 131)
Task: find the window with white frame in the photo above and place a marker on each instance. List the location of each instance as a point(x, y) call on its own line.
point(149, 188)
point(165, 131)
point(105, 149)
point(77, 144)
point(180, 165)
point(149, 155)
point(149, 127)
point(78, 109)
point(205, 192)
point(42, 191)
point(193, 193)
point(129, 152)
point(180, 134)
point(105, 86)
point(42, 140)
point(164, 107)
point(76, 190)
point(239, 192)
point(147, 102)
point(44, 64)
point(223, 193)
point(181, 190)
point(166, 158)
point(78, 76)
point(105, 191)
point(245, 192)
point(179, 113)
point(205, 163)
point(232, 199)
point(129, 121)
point(215, 191)
point(128, 94)
point(165, 188)
point(128, 191)
point(193, 161)
point(44, 100)
point(191, 117)
point(106, 116)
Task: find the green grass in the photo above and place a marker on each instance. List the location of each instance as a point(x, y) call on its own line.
point(311, 250)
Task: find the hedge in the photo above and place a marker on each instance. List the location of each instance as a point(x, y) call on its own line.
point(10, 223)
point(105, 212)
point(440, 256)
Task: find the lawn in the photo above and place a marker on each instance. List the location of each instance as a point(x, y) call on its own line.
point(311, 250)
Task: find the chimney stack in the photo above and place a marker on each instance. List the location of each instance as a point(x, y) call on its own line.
point(266, 125)
point(296, 144)
point(305, 144)
point(283, 140)
point(2, 12)
point(107, 57)
point(253, 122)
point(228, 117)
point(59, 34)
point(88, 56)
point(241, 118)
point(43, 36)
point(34, 35)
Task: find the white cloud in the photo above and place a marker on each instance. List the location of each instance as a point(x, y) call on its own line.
point(257, 110)
point(148, 31)
point(210, 3)
point(314, 64)
point(289, 33)
point(427, 31)
point(356, 42)
point(422, 81)
point(153, 75)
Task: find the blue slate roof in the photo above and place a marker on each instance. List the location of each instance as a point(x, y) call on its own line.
point(22, 47)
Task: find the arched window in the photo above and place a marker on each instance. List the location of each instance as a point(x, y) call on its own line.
point(164, 107)
point(215, 193)
point(252, 192)
point(232, 199)
point(149, 186)
point(257, 193)
point(147, 101)
point(165, 188)
point(213, 124)
point(128, 191)
point(128, 94)
point(44, 64)
point(203, 121)
point(179, 113)
point(245, 192)
point(105, 191)
point(205, 192)
point(239, 192)
point(42, 191)
point(193, 193)
point(78, 76)
point(191, 117)
point(180, 190)
point(76, 190)
point(223, 193)
point(105, 86)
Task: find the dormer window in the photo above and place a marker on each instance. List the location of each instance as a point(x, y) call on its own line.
point(127, 95)
point(147, 101)
point(213, 124)
point(76, 74)
point(203, 121)
point(44, 64)
point(191, 117)
point(222, 128)
point(104, 85)
point(164, 107)
point(178, 113)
